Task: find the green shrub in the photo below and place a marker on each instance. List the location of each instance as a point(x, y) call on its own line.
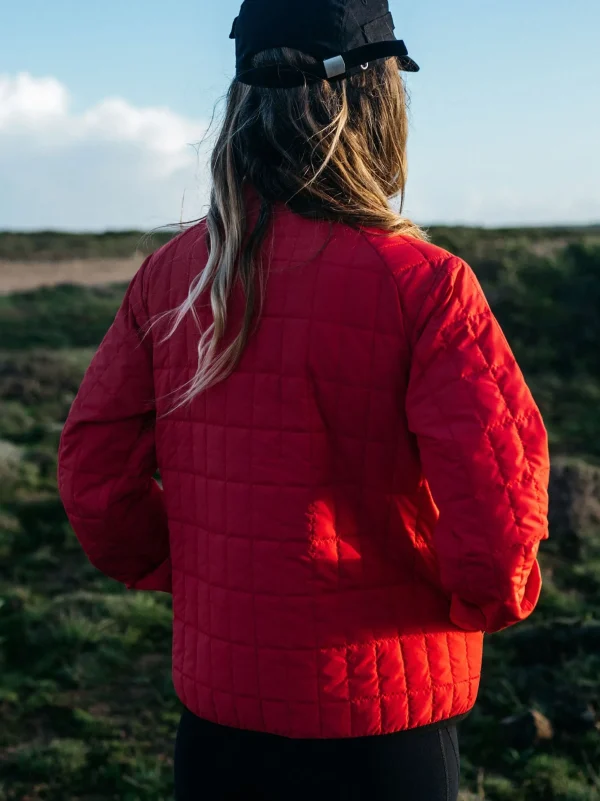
point(56, 246)
point(499, 788)
point(65, 316)
point(16, 423)
point(551, 778)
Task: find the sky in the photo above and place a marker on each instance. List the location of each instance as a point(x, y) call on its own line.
point(102, 104)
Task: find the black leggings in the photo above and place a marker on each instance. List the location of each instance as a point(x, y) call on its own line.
point(215, 763)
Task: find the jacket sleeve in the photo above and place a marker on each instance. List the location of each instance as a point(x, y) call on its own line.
point(484, 452)
point(107, 457)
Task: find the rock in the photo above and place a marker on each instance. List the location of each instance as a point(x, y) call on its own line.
point(543, 727)
point(527, 729)
point(574, 508)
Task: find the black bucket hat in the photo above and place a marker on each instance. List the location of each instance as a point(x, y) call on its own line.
point(344, 36)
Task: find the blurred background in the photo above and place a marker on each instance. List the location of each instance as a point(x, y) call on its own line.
point(102, 107)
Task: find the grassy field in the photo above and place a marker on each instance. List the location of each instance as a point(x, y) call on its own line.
point(86, 703)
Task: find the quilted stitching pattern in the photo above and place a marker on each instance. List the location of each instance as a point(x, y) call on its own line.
point(319, 589)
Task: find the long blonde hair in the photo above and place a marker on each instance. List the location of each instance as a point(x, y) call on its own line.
point(331, 151)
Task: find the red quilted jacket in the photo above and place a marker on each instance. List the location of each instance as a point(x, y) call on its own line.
point(344, 516)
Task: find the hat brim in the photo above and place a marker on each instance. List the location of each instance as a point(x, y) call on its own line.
point(376, 51)
point(407, 64)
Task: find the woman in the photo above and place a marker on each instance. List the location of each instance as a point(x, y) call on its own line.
point(354, 471)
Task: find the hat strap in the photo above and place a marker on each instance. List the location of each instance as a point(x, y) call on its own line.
point(287, 76)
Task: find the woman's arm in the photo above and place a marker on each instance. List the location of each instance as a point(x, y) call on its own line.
point(484, 451)
point(107, 456)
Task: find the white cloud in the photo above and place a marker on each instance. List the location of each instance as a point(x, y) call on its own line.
point(27, 102)
point(111, 166)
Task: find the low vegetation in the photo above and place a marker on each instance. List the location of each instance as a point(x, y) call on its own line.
point(56, 246)
point(86, 703)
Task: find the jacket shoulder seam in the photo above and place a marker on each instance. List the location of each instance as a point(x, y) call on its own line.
point(442, 268)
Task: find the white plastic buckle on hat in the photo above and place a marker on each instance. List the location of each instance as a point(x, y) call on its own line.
point(334, 66)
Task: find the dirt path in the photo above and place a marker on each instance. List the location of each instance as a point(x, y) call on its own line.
point(22, 276)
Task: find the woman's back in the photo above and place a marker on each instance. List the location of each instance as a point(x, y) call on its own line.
point(310, 596)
